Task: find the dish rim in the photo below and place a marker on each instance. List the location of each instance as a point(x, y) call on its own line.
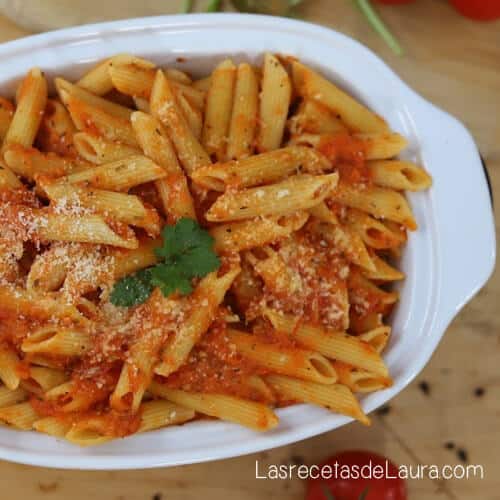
point(437, 322)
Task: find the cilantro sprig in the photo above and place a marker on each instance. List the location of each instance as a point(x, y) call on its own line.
point(187, 253)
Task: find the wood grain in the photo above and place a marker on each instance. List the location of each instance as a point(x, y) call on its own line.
point(454, 63)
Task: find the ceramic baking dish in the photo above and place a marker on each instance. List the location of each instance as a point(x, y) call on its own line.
point(446, 261)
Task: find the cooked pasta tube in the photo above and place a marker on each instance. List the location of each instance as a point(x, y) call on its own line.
point(43, 379)
point(119, 175)
point(8, 179)
point(192, 115)
point(6, 114)
point(379, 202)
point(296, 362)
point(31, 101)
point(98, 150)
point(129, 261)
point(261, 169)
point(218, 107)
point(364, 294)
point(400, 175)
point(382, 271)
point(357, 117)
point(9, 397)
point(21, 416)
point(45, 307)
point(297, 193)
point(53, 426)
point(157, 414)
point(314, 118)
point(173, 189)
point(377, 337)
point(72, 399)
point(123, 207)
point(360, 380)
point(9, 361)
point(334, 345)
point(28, 162)
point(238, 236)
point(206, 299)
point(77, 92)
point(254, 415)
point(135, 80)
point(97, 80)
point(243, 123)
point(374, 233)
point(347, 241)
point(274, 102)
point(164, 106)
point(88, 432)
point(323, 213)
point(57, 341)
point(56, 130)
point(84, 229)
point(95, 120)
point(335, 397)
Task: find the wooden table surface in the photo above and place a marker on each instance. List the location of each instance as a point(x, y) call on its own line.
point(454, 63)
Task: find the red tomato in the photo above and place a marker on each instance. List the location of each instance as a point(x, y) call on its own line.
point(481, 10)
point(349, 480)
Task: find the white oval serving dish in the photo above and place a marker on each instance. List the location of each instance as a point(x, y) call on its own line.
point(446, 261)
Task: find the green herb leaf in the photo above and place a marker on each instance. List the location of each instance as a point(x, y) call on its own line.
point(379, 26)
point(364, 494)
point(132, 290)
point(213, 6)
point(186, 7)
point(187, 253)
point(328, 494)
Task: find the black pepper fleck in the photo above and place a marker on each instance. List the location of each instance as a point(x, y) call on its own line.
point(462, 455)
point(479, 392)
point(450, 445)
point(425, 387)
point(156, 496)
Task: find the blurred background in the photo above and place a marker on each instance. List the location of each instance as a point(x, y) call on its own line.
point(450, 413)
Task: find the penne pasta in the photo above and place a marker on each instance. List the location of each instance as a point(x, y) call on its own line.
point(173, 189)
point(336, 397)
point(97, 80)
point(400, 175)
point(243, 124)
point(248, 413)
point(6, 114)
point(360, 380)
point(373, 232)
point(120, 175)
point(10, 397)
point(297, 193)
point(28, 163)
point(238, 236)
point(122, 207)
point(377, 337)
point(98, 150)
point(379, 202)
point(314, 118)
point(296, 362)
point(57, 341)
point(31, 101)
point(357, 117)
point(261, 169)
point(21, 416)
point(334, 345)
point(9, 361)
point(164, 107)
point(206, 299)
point(218, 107)
point(274, 102)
